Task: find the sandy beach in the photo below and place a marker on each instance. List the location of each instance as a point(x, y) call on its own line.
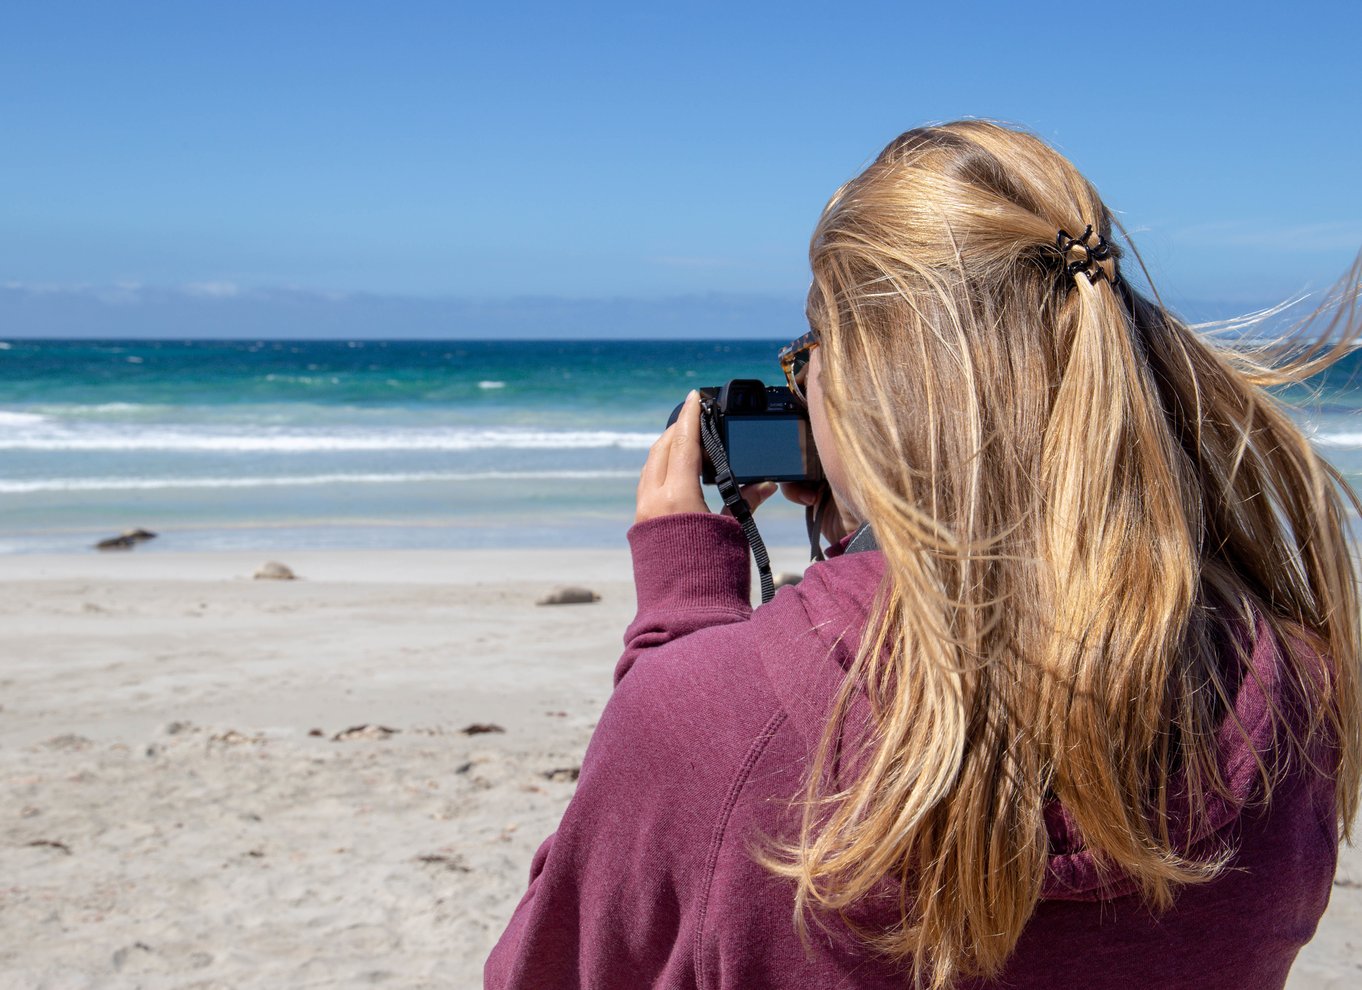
point(216, 782)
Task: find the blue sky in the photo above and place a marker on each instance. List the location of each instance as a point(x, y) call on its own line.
point(187, 155)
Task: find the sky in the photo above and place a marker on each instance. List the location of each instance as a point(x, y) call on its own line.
point(459, 169)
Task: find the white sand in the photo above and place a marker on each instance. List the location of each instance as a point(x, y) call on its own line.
point(167, 820)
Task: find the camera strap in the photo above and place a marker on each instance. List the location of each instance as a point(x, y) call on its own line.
point(737, 505)
point(814, 515)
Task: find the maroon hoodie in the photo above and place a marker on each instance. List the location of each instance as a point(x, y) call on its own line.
point(650, 879)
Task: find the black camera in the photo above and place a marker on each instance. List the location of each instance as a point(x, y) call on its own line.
point(764, 431)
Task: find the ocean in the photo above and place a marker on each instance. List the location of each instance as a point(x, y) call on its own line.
point(277, 445)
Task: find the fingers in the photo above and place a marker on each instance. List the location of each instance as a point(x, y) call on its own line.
point(756, 494)
point(802, 492)
point(685, 444)
point(670, 480)
point(655, 467)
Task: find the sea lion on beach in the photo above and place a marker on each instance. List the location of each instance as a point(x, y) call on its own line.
point(569, 595)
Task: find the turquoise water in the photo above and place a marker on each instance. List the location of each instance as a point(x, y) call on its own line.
point(361, 443)
point(387, 444)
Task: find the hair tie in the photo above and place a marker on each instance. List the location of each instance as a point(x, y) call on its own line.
point(1092, 257)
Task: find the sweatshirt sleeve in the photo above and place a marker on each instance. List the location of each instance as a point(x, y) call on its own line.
point(614, 894)
point(691, 571)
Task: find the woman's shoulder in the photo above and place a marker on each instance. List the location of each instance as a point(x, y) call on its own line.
point(707, 697)
point(807, 637)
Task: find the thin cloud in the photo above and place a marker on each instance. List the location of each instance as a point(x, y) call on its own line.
point(129, 292)
point(212, 290)
point(49, 288)
point(124, 293)
point(120, 294)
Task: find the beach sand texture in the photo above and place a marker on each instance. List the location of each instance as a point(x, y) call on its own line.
point(168, 818)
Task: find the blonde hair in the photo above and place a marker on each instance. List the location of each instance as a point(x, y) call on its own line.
point(1078, 499)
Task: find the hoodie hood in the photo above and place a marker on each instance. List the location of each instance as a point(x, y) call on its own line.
point(809, 635)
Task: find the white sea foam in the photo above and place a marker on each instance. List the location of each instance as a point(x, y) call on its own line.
point(11, 419)
point(38, 485)
point(84, 410)
point(491, 384)
point(115, 407)
point(105, 438)
point(4, 345)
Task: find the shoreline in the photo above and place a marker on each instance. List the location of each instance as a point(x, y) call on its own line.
point(459, 567)
point(368, 566)
point(516, 524)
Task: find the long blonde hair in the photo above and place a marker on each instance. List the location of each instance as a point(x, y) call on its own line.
point(1078, 498)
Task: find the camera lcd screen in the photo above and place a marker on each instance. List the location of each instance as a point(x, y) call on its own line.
point(768, 448)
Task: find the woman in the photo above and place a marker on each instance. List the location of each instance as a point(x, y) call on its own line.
point(1089, 713)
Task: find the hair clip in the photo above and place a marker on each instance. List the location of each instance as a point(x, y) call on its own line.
point(1093, 255)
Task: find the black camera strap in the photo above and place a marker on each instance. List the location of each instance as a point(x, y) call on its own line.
point(814, 515)
point(737, 505)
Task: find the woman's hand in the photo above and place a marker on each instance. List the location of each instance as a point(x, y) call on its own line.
point(670, 482)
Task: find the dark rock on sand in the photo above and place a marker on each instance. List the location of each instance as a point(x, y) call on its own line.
point(569, 595)
point(116, 543)
point(49, 843)
point(448, 861)
point(272, 570)
point(138, 535)
point(480, 728)
point(365, 731)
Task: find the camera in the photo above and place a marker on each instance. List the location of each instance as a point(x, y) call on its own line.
point(764, 431)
